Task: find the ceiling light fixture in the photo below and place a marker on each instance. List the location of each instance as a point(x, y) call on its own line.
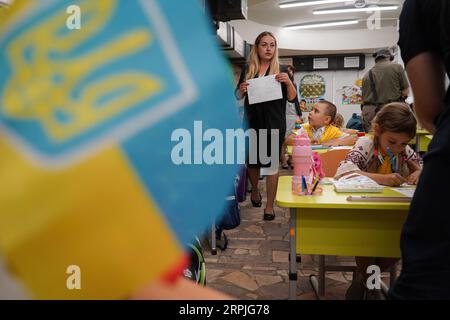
point(292, 4)
point(347, 10)
point(321, 24)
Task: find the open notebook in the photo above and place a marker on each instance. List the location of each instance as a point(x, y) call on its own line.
point(356, 183)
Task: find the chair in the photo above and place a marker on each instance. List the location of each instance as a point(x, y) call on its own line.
point(331, 159)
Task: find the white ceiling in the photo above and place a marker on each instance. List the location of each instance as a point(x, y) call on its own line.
point(269, 13)
point(360, 38)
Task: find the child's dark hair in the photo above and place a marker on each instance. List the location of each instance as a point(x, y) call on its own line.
point(396, 117)
point(303, 100)
point(330, 110)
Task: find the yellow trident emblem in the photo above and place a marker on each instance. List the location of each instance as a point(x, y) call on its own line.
point(45, 76)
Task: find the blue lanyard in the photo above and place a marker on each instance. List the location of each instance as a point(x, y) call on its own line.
point(393, 160)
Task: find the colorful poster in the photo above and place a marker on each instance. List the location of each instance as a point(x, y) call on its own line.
point(91, 93)
point(352, 94)
point(312, 88)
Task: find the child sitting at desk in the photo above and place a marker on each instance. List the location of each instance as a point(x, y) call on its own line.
point(320, 129)
point(386, 158)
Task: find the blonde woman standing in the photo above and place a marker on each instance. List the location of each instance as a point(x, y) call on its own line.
point(270, 115)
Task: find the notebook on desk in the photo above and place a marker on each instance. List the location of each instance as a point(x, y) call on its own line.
point(357, 183)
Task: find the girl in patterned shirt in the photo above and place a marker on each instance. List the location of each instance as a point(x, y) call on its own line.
point(386, 158)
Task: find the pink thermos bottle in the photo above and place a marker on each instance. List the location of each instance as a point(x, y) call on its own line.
point(301, 159)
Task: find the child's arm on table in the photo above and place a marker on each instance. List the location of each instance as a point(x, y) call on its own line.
point(357, 161)
point(390, 179)
point(345, 141)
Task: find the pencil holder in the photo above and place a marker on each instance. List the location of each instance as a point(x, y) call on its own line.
point(299, 189)
point(298, 186)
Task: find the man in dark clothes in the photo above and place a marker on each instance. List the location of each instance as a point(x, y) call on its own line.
point(425, 240)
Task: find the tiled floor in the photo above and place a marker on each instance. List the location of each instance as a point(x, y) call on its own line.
point(255, 264)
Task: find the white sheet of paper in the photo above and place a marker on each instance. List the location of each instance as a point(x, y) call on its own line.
point(342, 148)
point(263, 89)
point(408, 192)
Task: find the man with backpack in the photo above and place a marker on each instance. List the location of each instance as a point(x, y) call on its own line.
point(386, 82)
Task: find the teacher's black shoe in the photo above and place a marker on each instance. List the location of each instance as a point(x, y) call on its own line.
point(257, 203)
point(269, 216)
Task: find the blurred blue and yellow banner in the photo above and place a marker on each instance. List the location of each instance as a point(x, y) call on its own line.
point(86, 117)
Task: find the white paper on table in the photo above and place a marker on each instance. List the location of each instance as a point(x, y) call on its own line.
point(408, 192)
point(327, 181)
point(342, 148)
point(263, 89)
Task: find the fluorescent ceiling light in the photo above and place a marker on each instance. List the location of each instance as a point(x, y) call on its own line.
point(321, 24)
point(292, 4)
point(346, 10)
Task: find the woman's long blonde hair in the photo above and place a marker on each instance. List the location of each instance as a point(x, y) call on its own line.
point(253, 60)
